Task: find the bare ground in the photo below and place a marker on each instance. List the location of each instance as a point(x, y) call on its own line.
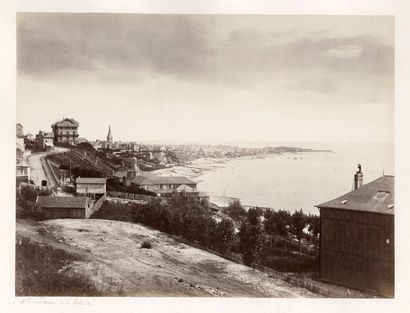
point(112, 257)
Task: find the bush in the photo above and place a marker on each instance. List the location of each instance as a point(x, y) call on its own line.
point(146, 244)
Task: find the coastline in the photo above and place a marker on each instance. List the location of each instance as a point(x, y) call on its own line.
point(197, 167)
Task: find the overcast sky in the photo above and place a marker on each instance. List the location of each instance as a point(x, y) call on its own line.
point(208, 77)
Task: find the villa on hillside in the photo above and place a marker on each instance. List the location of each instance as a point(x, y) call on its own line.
point(164, 185)
point(66, 131)
point(357, 237)
point(45, 140)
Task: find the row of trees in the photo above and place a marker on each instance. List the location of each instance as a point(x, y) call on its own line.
point(184, 216)
point(250, 233)
point(260, 225)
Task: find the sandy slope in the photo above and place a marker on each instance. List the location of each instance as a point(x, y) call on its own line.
point(114, 260)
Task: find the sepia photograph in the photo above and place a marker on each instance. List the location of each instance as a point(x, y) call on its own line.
point(205, 155)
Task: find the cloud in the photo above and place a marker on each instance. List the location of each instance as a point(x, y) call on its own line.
point(231, 51)
point(349, 51)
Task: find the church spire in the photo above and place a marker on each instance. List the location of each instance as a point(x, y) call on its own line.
point(109, 136)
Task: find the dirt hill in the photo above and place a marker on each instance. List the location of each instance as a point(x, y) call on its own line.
point(111, 256)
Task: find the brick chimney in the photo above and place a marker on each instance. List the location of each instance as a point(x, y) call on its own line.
point(358, 178)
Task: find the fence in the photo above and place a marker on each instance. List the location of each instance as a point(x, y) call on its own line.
point(97, 205)
point(130, 196)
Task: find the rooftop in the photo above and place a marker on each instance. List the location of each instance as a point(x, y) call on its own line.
point(46, 134)
point(61, 202)
point(70, 120)
point(90, 180)
point(172, 180)
point(376, 196)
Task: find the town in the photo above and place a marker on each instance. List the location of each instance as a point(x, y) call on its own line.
point(347, 251)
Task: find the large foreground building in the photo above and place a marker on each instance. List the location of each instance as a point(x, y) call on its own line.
point(357, 237)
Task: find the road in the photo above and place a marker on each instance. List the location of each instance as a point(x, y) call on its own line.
point(37, 171)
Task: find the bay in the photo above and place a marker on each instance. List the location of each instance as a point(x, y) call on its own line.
point(293, 181)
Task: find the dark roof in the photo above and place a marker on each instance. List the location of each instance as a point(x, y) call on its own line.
point(376, 196)
point(142, 180)
point(71, 120)
point(172, 180)
point(90, 180)
point(46, 134)
point(61, 202)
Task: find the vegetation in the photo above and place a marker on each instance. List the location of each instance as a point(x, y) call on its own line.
point(146, 244)
point(265, 237)
point(33, 278)
point(26, 197)
point(252, 238)
point(298, 224)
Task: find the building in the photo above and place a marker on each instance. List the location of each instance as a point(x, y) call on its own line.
point(164, 184)
point(125, 176)
point(357, 237)
point(22, 172)
point(95, 187)
point(19, 130)
point(45, 140)
point(64, 207)
point(66, 131)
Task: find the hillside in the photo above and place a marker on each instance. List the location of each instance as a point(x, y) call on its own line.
point(109, 254)
point(84, 161)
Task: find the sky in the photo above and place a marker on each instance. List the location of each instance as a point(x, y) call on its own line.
point(199, 78)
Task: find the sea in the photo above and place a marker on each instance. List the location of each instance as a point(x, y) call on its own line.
point(298, 181)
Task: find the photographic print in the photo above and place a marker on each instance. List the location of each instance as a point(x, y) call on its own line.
point(205, 155)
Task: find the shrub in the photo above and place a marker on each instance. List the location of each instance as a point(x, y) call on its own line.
point(146, 244)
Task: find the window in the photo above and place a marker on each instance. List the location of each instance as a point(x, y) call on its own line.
point(381, 195)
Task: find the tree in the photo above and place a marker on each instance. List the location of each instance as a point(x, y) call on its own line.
point(282, 221)
point(313, 222)
point(236, 211)
point(251, 243)
point(298, 224)
point(225, 233)
point(269, 225)
point(252, 237)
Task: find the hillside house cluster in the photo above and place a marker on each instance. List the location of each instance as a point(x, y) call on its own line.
point(22, 154)
point(357, 237)
point(160, 185)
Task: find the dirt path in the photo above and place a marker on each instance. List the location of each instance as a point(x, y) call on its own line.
point(114, 260)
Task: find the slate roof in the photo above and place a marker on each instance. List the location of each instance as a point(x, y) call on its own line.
point(90, 180)
point(376, 196)
point(150, 179)
point(141, 180)
point(61, 202)
point(71, 120)
point(172, 180)
point(47, 134)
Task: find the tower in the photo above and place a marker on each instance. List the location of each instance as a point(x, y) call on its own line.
point(109, 136)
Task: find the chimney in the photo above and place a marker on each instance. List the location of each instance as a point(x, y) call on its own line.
point(358, 178)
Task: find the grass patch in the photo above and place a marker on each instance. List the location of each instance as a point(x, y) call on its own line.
point(40, 272)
